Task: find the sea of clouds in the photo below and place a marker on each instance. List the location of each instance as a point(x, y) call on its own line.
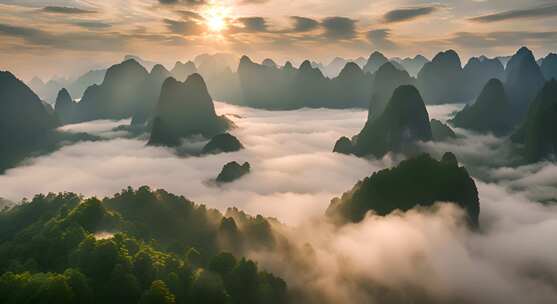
point(421, 255)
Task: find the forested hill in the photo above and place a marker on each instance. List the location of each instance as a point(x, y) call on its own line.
point(139, 246)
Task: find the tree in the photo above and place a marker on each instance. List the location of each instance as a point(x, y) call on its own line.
point(157, 294)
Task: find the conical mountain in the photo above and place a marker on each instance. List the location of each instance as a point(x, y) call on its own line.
point(549, 66)
point(185, 109)
point(524, 79)
point(538, 134)
point(385, 81)
point(65, 107)
point(491, 113)
point(404, 122)
point(414, 65)
point(375, 61)
point(441, 80)
point(441, 131)
point(121, 95)
point(478, 71)
point(268, 62)
point(417, 182)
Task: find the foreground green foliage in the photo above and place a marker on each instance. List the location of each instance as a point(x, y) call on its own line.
point(140, 246)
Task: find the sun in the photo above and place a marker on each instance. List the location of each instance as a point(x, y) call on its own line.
point(216, 17)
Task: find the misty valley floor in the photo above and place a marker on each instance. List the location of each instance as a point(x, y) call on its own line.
point(295, 175)
point(294, 172)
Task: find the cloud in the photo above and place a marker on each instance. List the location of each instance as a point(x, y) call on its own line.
point(536, 12)
point(406, 14)
point(66, 10)
point(380, 38)
point(502, 38)
point(339, 28)
point(185, 28)
point(93, 25)
point(252, 25)
point(84, 41)
point(183, 2)
point(303, 24)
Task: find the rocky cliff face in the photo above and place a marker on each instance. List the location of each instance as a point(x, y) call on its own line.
point(441, 80)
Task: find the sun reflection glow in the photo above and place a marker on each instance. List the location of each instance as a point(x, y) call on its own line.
point(216, 16)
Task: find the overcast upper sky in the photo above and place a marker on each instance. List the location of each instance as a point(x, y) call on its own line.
point(49, 37)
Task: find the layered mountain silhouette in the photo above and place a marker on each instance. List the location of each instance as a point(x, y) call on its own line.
point(65, 107)
point(269, 87)
point(524, 79)
point(417, 182)
point(185, 109)
point(477, 72)
point(441, 131)
point(412, 65)
point(491, 113)
point(233, 171)
point(182, 71)
point(404, 122)
point(441, 80)
point(385, 81)
point(538, 132)
point(549, 66)
point(375, 61)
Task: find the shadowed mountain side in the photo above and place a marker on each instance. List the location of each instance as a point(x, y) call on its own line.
point(538, 133)
point(477, 72)
point(549, 66)
point(222, 143)
point(412, 65)
point(441, 131)
point(421, 181)
point(25, 122)
point(404, 122)
point(185, 109)
point(524, 79)
point(441, 80)
point(65, 107)
point(374, 62)
point(491, 113)
point(385, 81)
point(233, 171)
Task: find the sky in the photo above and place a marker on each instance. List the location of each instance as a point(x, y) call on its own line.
point(64, 37)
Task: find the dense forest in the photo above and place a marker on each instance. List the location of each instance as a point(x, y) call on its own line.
point(139, 246)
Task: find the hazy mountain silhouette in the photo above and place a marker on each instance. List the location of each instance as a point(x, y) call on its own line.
point(421, 181)
point(524, 79)
point(233, 171)
point(185, 109)
point(412, 65)
point(65, 107)
point(441, 131)
point(441, 80)
point(375, 61)
point(404, 122)
point(538, 132)
point(385, 81)
point(549, 66)
point(351, 87)
point(477, 72)
point(182, 71)
point(268, 62)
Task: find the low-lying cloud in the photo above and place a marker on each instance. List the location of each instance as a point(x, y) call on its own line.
point(424, 255)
